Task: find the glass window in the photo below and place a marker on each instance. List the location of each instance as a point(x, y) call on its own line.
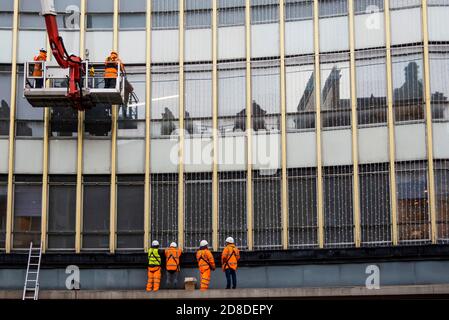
point(7, 6)
point(130, 212)
point(165, 14)
point(398, 4)
point(264, 11)
point(329, 8)
point(6, 20)
point(300, 93)
point(68, 14)
point(97, 121)
point(442, 199)
point(231, 98)
point(267, 209)
point(29, 120)
point(131, 115)
point(413, 205)
point(266, 99)
point(438, 3)
point(198, 100)
point(101, 5)
point(408, 90)
point(27, 211)
point(164, 208)
point(3, 202)
point(133, 6)
point(232, 207)
point(164, 101)
point(231, 12)
point(439, 78)
point(198, 19)
point(165, 20)
point(63, 6)
point(61, 212)
point(63, 122)
point(198, 209)
point(198, 13)
point(298, 10)
point(375, 204)
point(371, 87)
point(302, 208)
point(335, 91)
point(31, 21)
point(96, 212)
point(165, 5)
point(99, 21)
point(368, 6)
point(29, 5)
point(5, 92)
point(338, 206)
point(132, 21)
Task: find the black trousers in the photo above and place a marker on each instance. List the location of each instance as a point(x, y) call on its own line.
point(230, 273)
point(110, 82)
point(39, 83)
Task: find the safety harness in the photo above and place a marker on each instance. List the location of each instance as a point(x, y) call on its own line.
point(174, 259)
point(202, 258)
point(230, 256)
point(152, 255)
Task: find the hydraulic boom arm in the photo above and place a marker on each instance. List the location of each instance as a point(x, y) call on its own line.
point(74, 63)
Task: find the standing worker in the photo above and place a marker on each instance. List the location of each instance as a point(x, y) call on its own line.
point(154, 267)
point(206, 263)
point(172, 256)
point(229, 258)
point(37, 71)
point(111, 70)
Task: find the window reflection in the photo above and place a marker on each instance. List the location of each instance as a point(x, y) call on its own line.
point(164, 101)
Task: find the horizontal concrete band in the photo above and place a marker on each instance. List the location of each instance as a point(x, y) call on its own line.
point(261, 293)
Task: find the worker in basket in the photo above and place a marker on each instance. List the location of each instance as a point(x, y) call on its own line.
point(111, 70)
point(37, 70)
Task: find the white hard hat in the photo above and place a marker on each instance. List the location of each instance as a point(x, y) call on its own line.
point(155, 243)
point(203, 243)
point(173, 244)
point(230, 240)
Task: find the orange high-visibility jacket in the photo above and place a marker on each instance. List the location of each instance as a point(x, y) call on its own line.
point(172, 258)
point(205, 259)
point(37, 71)
point(229, 257)
point(111, 67)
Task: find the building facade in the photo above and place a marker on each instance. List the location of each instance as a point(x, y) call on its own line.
point(227, 134)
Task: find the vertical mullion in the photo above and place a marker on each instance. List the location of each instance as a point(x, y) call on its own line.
point(249, 168)
point(284, 190)
point(80, 139)
point(147, 193)
point(44, 207)
point(319, 181)
point(181, 129)
point(429, 134)
point(12, 120)
point(355, 153)
point(113, 196)
point(390, 119)
point(214, 128)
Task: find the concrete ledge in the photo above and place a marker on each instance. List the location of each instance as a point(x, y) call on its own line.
point(269, 293)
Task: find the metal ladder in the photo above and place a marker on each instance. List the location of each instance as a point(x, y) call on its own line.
point(31, 287)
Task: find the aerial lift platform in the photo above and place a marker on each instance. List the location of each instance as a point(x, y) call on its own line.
point(71, 82)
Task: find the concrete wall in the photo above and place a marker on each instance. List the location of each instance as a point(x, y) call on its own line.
point(330, 275)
